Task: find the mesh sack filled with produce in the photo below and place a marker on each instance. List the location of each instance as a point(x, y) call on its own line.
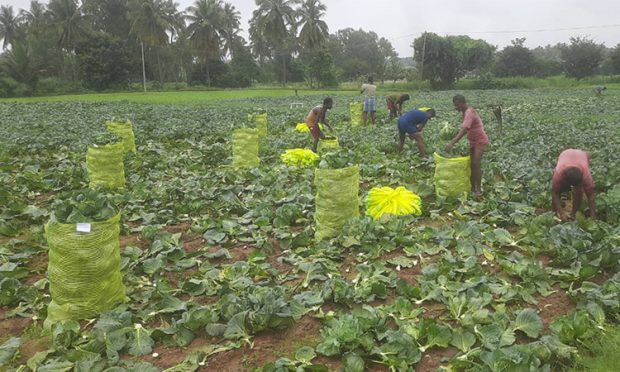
point(328, 144)
point(105, 166)
point(452, 175)
point(260, 120)
point(337, 199)
point(84, 268)
point(124, 129)
point(245, 148)
point(386, 200)
point(356, 110)
point(299, 157)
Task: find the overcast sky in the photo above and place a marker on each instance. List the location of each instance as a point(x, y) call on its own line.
point(495, 21)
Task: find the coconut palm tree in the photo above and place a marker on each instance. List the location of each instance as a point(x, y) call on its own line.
point(205, 29)
point(313, 31)
point(110, 16)
point(230, 30)
point(35, 18)
point(9, 26)
point(275, 19)
point(174, 18)
point(68, 21)
point(258, 43)
point(149, 24)
point(18, 64)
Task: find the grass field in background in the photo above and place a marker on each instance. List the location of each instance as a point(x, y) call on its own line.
point(176, 97)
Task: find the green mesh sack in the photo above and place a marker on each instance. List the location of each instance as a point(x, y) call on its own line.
point(261, 124)
point(125, 131)
point(105, 165)
point(328, 144)
point(337, 199)
point(84, 269)
point(245, 148)
point(452, 175)
point(357, 112)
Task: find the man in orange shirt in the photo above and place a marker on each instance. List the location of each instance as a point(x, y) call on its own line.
point(572, 171)
point(316, 116)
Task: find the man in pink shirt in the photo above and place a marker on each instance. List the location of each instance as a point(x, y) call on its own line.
point(572, 171)
point(478, 140)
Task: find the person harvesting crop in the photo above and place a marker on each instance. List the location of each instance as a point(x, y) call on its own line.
point(412, 123)
point(370, 104)
point(316, 116)
point(478, 140)
point(395, 104)
point(598, 90)
point(572, 171)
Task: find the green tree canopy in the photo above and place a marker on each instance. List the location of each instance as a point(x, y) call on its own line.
point(614, 60)
point(582, 57)
point(437, 60)
point(360, 53)
point(515, 60)
point(443, 60)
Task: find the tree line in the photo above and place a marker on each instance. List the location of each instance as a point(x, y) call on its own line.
point(442, 60)
point(110, 44)
point(103, 44)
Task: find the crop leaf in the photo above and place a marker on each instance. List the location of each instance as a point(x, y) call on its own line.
point(8, 350)
point(352, 363)
point(435, 335)
point(235, 329)
point(463, 340)
point(140, 341)
point(305, 354)
point(529, 322)
point(573, 327)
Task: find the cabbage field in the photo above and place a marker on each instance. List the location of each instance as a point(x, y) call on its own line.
point(222, 271)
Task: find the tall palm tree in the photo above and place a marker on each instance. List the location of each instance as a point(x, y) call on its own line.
point(149, 23)
point(19, 65)
point(35, 18)
point(258, 42)
point(9, 26)
point(275, 19)
point(230, 30)
point(174, 18)
point(110, 16)
point(68, 20)
point(206, 24)
point(313, 30)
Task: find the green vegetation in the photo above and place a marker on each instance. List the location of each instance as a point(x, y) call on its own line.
point(85, 206)
point(600, 353)
point(222, 269)
point(71, 46)
point(175, 98)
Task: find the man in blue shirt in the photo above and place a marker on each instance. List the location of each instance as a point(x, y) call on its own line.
point(412, 123)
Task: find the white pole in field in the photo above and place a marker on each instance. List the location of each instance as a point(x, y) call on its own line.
point(143, 70)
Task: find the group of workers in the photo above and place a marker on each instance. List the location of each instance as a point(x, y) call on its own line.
point(572, 171)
